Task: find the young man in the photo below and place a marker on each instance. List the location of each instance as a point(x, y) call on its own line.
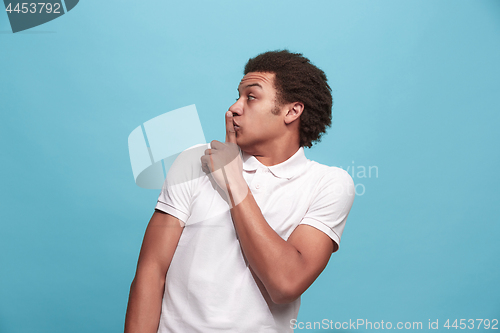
point(240, 236)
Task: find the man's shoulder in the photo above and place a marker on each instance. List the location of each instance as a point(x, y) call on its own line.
point(192, 154)
point(330, 181)
point(326, 173)
point(187, 165)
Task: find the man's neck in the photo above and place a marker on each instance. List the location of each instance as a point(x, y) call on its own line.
point(275, 154)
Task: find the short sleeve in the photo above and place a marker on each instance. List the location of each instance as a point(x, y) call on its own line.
point(179, 186)
point(331, 204)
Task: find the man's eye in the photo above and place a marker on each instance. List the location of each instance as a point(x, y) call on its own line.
point(250, 97)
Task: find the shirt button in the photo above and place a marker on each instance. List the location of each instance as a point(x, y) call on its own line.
point(257, 186)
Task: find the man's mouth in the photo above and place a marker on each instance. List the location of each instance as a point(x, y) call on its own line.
point(236, 127)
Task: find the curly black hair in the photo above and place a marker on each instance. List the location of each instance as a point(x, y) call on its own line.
point(298, 80)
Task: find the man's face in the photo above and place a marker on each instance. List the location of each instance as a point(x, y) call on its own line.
point(255, 123)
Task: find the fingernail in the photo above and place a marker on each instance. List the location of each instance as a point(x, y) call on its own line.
point(229, 114)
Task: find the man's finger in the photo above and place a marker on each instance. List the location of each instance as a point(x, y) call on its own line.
point(216, 145)
point(207, 163)
point(230, 133)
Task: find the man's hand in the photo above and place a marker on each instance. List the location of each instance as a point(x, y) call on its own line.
point(223, 162)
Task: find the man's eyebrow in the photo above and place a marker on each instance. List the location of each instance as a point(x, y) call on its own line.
point(251, 85)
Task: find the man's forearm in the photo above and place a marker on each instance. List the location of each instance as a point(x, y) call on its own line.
point(276, 262)
point(144, 305)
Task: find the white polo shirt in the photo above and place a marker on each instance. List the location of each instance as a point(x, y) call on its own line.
point(209, 286)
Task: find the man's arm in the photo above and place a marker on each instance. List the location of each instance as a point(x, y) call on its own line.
point(146, 292)
point(286, 268)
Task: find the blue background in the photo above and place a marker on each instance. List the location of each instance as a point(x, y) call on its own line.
point(415, 86)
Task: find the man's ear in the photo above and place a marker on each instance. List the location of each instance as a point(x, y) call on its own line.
point(294, 110)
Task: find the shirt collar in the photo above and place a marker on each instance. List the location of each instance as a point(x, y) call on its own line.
point(286, 169)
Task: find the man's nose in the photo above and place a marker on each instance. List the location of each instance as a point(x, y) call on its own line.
point(237, 107)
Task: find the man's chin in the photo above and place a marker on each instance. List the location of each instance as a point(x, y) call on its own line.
point(243, 145)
